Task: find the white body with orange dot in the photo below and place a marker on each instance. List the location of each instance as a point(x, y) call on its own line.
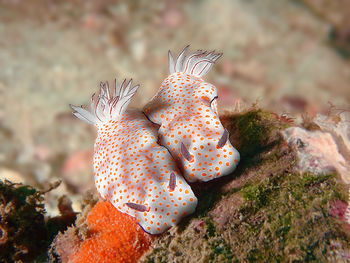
point(185, 107)
point(137, 175)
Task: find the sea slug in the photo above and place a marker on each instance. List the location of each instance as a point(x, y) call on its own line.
point(136, 174)
point(185, 108)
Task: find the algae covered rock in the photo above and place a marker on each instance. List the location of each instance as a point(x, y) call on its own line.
point(23, 233)
point(266, 211)
point(254, 130)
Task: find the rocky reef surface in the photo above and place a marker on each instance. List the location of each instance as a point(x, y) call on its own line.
point(293, 55)
point(267, 211)
point(287, 201)
point(277, 51)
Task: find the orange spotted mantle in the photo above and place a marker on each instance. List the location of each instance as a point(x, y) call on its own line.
point(137, 175)
point(185, 107)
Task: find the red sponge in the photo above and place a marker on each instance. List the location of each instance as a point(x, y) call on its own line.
point(115, 237)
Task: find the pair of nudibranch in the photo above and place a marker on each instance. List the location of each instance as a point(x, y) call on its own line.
point(143, 160)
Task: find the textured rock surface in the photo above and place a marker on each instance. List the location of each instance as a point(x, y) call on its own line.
point(318, 152)
point(265, 211)
point(23, 233)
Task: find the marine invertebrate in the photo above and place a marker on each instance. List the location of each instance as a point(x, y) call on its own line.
point(132, 171)
point(102, 234)
point(113, 237)
point(185, 107)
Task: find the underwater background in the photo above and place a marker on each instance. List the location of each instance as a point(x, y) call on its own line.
point(291, 57)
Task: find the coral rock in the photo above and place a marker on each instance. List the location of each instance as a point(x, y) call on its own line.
point(317, 152)
point(338, 125)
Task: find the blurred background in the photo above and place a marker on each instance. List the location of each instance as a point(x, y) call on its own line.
point(290, 56)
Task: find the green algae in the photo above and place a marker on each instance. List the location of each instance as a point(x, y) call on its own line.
point(251, 132)
point(256, 193)
point(297, 224)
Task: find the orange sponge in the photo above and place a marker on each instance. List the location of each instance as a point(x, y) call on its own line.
point(114, 237)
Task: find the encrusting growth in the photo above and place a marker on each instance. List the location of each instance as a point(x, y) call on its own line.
point(185, 107)
point(132, 171)
point(113, 237)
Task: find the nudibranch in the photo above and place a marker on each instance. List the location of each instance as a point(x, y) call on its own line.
point(136, 174)
point(185, 107)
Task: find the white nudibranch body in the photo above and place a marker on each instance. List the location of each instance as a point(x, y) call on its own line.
point(185, 108)
point(136, 174)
